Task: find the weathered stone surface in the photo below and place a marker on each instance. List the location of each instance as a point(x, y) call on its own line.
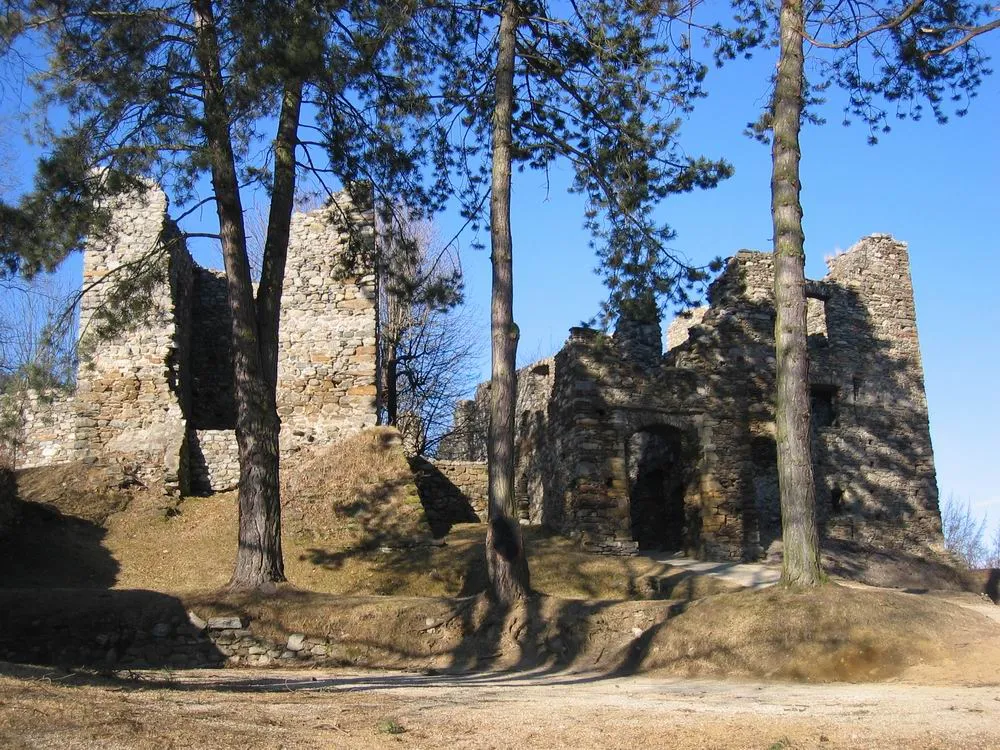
point(621, 446)
point(196, 622)
point(225, 623)
point(158, 397)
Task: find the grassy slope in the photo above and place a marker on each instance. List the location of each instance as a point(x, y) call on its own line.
point(353, 526)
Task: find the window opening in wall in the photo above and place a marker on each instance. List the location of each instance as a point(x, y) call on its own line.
point(764, 452)
point(816, 320)
point(541, 370)
point(836, 500)
point(823, 404)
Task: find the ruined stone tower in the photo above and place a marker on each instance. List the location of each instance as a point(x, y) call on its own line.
point(627, 447)
point(160, 392)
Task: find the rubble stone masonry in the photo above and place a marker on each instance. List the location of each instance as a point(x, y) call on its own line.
point(625, 447)
point(157, 392)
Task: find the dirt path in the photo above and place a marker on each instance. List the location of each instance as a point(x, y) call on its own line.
point(563, 710)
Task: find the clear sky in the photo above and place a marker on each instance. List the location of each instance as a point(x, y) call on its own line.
point(935, 187)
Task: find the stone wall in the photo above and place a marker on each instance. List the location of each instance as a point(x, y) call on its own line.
point(467, 441)
point(451, 492)
point(677, 333)
point(214, 461)
point(48, 422)
point(130, 400)
point(155, 387)
point(326, 360)
point(874, 462)
point(628, 447)
point(213, 398)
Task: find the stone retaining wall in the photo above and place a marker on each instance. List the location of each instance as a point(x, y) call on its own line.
point(451, 492)
point(119, 641)
point(215, 460)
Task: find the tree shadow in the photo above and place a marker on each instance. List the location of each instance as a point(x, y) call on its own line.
point(48, 549)
point(109, 630)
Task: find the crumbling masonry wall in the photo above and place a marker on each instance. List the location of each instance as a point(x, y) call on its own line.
point(158, 393)
point(635, 448)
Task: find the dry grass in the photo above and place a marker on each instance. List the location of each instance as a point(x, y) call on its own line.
point(86, 491)
point(828, 633)
point(831, 633)
point(352, 525)
point(358, 493)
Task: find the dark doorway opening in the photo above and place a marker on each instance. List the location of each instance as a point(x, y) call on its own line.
point(659, 471)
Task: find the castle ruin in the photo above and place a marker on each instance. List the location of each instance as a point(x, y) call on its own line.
point(160, 394)
point(618, 443)
point(627, 447)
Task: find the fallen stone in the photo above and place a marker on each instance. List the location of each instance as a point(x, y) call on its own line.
point(296, 642)
point(196, 622)
point(225, 623)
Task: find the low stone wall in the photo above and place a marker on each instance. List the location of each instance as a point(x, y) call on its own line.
point(48, 423)
point(175, 639)
point(451, 492)
point(215, 464)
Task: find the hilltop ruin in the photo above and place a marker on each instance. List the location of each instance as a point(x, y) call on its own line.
point(618, 442)
point(628, 447)
point(160, 393)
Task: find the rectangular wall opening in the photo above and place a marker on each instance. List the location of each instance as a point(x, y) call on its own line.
point(816, 319)
point(823, 405)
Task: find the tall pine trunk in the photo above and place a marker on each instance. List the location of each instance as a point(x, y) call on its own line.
point(279, 223)
point(795, 475)
point(505, 556)
point(258, 558)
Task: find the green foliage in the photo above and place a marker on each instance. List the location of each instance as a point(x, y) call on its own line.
point(602, 85)
point(893, 59)
point(127, 74)
point(390, 725)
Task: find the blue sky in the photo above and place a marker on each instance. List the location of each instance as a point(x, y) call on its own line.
point(935, 187)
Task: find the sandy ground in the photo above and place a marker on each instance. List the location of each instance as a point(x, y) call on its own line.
point(267, 709)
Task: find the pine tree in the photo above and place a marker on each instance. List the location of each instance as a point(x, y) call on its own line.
point(250, 95)
point(892, 58)
point(600, 85)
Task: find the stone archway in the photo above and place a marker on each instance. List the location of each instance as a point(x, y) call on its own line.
point(660, 461)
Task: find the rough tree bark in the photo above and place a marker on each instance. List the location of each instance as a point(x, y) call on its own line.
point(505, 556)
point(795, 475)
point(258, 558)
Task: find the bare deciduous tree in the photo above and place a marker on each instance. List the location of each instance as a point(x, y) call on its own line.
point(426, 342)
point(963, 533)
